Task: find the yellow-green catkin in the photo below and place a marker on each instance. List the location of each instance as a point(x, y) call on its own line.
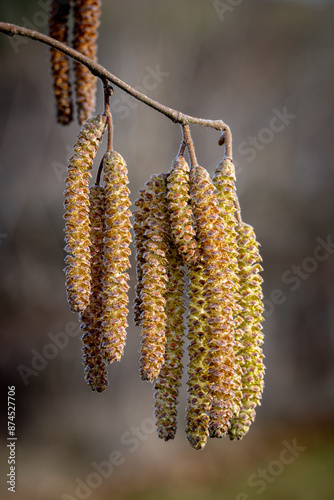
point(224, 182)
point(86, 14)
point(116, 256)
point(181, 216)
point(199, 399)
point(60, 65)
point(217, 292)
point(94, 365)
point(140, 215)
point(154, 281)
point(77, 271)
point(169, 380)
point(251, 301)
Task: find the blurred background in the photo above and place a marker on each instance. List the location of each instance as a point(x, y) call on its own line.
point(267, 69)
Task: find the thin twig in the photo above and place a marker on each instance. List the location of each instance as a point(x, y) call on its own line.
point(190, 145)
point(101, 72)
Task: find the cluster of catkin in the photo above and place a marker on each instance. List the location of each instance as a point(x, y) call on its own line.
point(194, 254)
point(86, 20)
point(97, 235)
point(198, 284)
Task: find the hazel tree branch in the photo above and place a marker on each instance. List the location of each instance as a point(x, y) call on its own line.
point(99, 71)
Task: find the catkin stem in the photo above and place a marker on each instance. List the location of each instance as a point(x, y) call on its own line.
point(228, 142)
point(190, 145)
point(237, 210)
point(108, 92)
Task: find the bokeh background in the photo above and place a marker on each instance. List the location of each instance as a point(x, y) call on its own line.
point(244, 62)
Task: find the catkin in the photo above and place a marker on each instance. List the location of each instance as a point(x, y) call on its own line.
point(116, 257)
point(86, 15)
point(77, 271)
point(217, 291)
point(169, 380)
point(154, 281)
point(249, 330)
point(199, 398)
point(140, 216)
point(95, 367)
point(224, 181)
point(60, 66)
point(181, 216)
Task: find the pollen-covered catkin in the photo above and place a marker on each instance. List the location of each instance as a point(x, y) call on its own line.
point(140, 215)
point(60, 66)
point(95, 368)
point(154, 281)
point(169, 380)
point(199, 398)
point(181, 216)
point(218, 291)
point(86, 15)
point(249, 330)
point(224, 182)
point(116, 256)
point(76, 215)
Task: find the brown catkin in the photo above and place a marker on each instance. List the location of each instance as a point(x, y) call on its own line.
point(217, 291)
point(95, 367)
point(249, 330)
point(169, 380)
point(60, 66)
point(140, 215)
point(181, 216)
point(154, 281)
point(116, 256)
point(77, 225)
point(86, 15)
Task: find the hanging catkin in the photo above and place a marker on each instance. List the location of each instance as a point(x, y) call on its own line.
point(249, 330)
point(95, 367)
point(117, 251)
point(140, 226)
point(199, 399)
point(181, 216)
point(76, 214)
point(169, 380)
point(218, 291)
point(60, 67)
point(154, 281)
point(224, 182)
point(86, 15)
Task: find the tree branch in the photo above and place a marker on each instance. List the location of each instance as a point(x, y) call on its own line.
point(102, 73)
